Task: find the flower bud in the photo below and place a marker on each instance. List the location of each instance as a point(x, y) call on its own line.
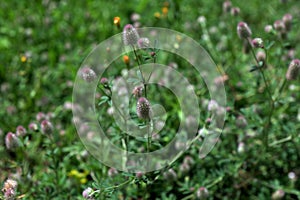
point(241, 122)
point(12, 141)
point(117, 21)
point(243, 30)
point(184, 168)
point(126, 59)
point(278, 194)
point(293, 70)
point(170, 175)
point(137, 92)
point(202, 193)
point(257, 43)
point(21, 131)
point(88, 74)
point(86, 193)
point(227, 6)
point(143, 43)
point(261, 56)
point(268, 28)
point(235, 11)
point(279, 26)
point(143, 108)
point(112, 172)
point(130, 35)
point(287, 20)
point(40, 116)
point(104, 81)
point(46, 127)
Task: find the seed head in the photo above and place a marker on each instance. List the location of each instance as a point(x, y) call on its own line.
point(293, 70)
point(130, 35)
point(243, 30)
point(12, 141)
point(143, 108)
point(46, 127)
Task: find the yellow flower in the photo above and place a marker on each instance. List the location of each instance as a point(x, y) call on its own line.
point(117, 21)
point(165, 11)
point(23, 59)
point(83, 180)
point(126, 59)
point(73, 172)
point(157, 15)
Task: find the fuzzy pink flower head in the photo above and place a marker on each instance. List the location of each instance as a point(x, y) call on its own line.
point(46, 127)
point(243, 30)
point(268, 28)
point(88, 74)
point(287, 20)
point(86, 193)
point(235, 11)
point(227, 6)
point(33, 126)
point(130, 35)
point(21, 131)
point(12, 141)
point(143, 108)
point(257, 43)
point(279, 26)
point(293, 70)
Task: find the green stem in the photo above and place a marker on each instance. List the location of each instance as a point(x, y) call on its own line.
point(271, 101)
point(113, 187)
point(139, 65)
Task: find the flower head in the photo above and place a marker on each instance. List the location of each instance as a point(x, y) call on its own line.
point(88, 74)
point(257, 43)
point(287, 20)
point(143, 43)
point(243, 30)
point(202, 193)
point(293, 70)
point(143, 108)
point(21, 131)
point(12, 141)
point(130, 35)
point(117, 21)
point(46, 127)
point(9, 189)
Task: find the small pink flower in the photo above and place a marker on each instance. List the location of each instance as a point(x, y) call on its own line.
point(243, 30)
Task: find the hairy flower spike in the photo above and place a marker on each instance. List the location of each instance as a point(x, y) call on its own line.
point(143, 108)
point(243, 30)
point(130, 35)
point(279, 26)
point(293, 70)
